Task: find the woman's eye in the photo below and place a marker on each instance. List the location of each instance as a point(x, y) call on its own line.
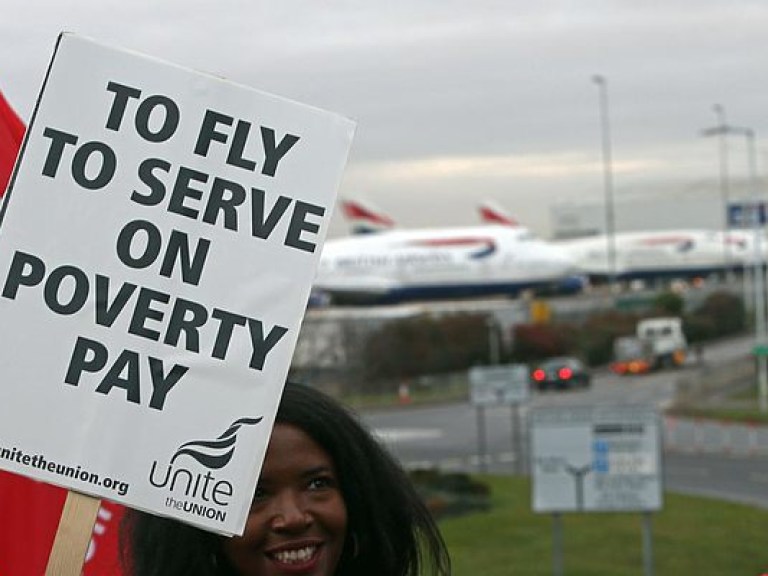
point(321, 482)
point(259, 494)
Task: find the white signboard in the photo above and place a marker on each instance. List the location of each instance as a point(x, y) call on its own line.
point(157, 247)
point(595, 458)
point(499, 385)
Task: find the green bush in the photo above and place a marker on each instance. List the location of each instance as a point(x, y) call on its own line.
point(698, 328)
point(668, 304)
point(596, 335)
point(412, 347)
point(725, 311)
point(533, 342)
point(451, 494)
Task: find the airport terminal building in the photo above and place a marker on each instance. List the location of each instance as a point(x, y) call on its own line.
point(697, 205)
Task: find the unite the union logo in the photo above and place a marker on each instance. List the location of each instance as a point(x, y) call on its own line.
point(185, 483)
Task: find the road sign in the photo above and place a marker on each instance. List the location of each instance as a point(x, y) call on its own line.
point(595, 458)
point(760, 350)
point(742, 214)
point(159, 241)
point(499, 385)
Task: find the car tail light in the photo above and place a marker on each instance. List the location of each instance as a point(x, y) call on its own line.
point(565, 373)
point(538, 375)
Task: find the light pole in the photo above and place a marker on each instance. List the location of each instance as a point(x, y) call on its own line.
point(760, 324)
point(493, 340)
point(724, 184)
point(722, 130)
point(756, 216)
point(610, 220)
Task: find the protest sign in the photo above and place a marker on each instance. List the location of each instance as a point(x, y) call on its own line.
point(31, 510)
point(157, 246)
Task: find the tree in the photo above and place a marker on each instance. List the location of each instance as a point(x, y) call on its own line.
point(407, 348)
point(669, 304)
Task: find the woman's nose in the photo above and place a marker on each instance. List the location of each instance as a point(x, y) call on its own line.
point(289, 512)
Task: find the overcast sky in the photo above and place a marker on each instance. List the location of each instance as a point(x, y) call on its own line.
point(459, 102)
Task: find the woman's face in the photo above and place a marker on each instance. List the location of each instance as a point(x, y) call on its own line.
point(298, 519)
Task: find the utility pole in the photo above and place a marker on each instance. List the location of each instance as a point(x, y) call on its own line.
point(610, 218)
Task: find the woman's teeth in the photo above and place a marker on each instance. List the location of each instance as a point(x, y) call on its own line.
point(295, 556)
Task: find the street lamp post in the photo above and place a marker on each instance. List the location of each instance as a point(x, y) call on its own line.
point(758, 265)
point(493, 340)
point(610, 220)
point(722, 130)
point(758, 272)
point(760, 323)
point(724, 184)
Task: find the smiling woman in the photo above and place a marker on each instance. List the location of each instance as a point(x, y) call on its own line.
point(298, 519)
point(330, 502)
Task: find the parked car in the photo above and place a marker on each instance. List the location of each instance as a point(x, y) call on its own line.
point(561, 372)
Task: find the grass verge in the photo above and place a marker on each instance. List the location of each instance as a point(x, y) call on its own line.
point(742, 406)
point(416, 396)
point(736, 415)
point(690, 536)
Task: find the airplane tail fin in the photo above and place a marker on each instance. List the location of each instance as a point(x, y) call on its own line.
point(364, 218)
point(491, 213)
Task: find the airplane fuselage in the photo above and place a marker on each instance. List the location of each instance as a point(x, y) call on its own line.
point(659, 254)
point(439, 263)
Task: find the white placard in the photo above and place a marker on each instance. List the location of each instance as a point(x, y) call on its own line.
point(595, 458)
point(499, 385)
point(157, 247)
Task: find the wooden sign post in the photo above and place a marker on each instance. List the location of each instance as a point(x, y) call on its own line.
point(73, 535)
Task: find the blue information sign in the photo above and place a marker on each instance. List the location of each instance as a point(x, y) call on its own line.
point(742, 214)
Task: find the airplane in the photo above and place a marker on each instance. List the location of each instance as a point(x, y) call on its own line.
point(653, 254)
point(660, 254)
point(398, 265)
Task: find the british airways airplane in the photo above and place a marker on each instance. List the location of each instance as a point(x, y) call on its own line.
point(653, 254)
point(662, 254)
point(397, 265)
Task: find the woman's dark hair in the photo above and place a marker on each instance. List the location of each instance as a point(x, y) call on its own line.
point(390, 532)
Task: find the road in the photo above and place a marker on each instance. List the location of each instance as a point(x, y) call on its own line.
point(705, 459)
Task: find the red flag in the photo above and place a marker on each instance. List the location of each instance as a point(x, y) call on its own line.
point(29, 517)
point(11, 134)
point(103, 557)
point(29, 510)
